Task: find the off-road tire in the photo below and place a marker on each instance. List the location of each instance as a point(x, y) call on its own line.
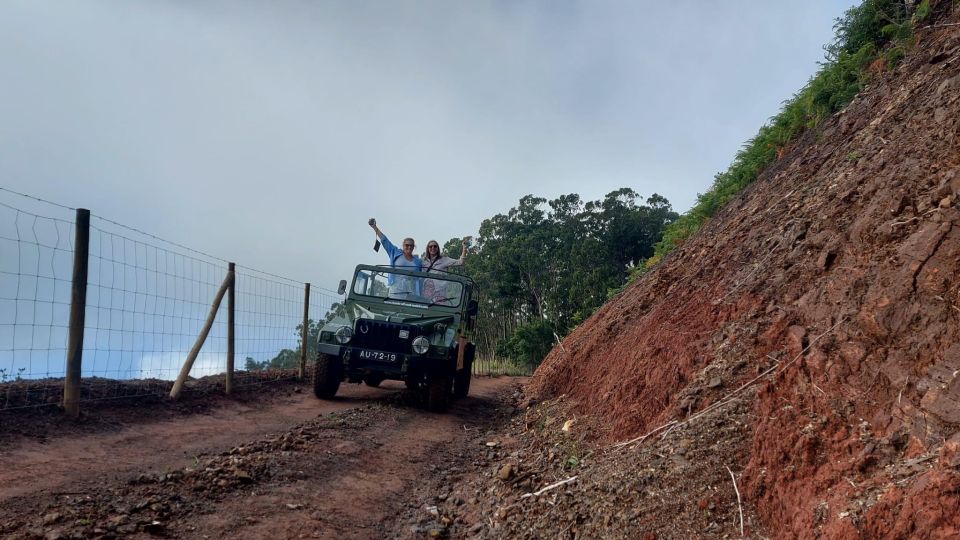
point(373, 381)
point(326, 376)
point(439, 390)
point(461, 380)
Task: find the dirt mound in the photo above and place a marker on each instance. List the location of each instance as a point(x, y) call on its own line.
point(831, 287)
point(31, 408)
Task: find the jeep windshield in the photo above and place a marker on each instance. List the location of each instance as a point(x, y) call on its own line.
point(387, 284)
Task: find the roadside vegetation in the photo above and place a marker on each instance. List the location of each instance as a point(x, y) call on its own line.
point(544, 266)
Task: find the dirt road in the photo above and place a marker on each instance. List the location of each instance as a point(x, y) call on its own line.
point(291, 466)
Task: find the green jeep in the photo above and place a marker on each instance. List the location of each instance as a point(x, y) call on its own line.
point(403, 325)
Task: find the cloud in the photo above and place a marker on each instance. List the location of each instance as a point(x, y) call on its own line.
point(267, 133)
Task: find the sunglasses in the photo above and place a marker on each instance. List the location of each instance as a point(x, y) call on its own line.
point(408, 245)
point(433, 246)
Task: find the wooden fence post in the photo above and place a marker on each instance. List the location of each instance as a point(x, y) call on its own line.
point(231, 324)
point(78, 309)
point(185, 370)
point(305, 332)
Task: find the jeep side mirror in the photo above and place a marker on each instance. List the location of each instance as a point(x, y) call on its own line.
point(472, 308)
point(342, 288)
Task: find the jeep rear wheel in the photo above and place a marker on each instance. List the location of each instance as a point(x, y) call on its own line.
point(326, 376)
point(439, 390)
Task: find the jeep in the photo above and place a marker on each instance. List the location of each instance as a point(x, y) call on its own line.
point(403, 325)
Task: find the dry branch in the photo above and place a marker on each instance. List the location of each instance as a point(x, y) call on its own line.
point(739, 506)
point(548, 488)
point(644, 436)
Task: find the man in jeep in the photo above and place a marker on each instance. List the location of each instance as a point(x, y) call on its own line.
point(400, 286)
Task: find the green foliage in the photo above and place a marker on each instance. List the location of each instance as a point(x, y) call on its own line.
point(529, 344)
point(286, 359)
point(873, 30)
point(545, 266)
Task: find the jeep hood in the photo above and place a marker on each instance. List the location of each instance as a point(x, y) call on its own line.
point(353, 311)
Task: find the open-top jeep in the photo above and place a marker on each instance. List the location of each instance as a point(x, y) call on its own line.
point(403, 325)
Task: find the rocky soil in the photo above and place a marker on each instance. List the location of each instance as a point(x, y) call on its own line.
point(284, 466)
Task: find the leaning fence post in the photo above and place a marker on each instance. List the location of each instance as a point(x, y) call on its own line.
point(231, 312)
point(305, 331)
point(78, 309)
point(188, 363)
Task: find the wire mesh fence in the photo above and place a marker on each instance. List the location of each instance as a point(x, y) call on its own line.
point(492, 367)
point(36, 255)
point(146, 301)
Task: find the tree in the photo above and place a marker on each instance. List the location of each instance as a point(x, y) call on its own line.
point(544, 266)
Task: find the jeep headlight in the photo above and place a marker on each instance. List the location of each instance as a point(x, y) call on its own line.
point(344, 334)
point(421, 345)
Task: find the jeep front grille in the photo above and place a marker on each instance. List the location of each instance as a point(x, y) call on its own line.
point(383, 336)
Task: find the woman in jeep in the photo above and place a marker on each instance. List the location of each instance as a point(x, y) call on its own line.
point(400, 286)
point(433, 260)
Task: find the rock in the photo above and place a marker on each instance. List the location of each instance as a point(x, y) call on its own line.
point(55, 534)
point(687, 404)
point(433, 511)
point(950, 452)
point(797, 336)
point(946, 202)
point(52, 518)
point(154, 527)
point(506, 472)
point(715, 382)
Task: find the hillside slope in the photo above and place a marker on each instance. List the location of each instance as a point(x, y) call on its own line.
point(836, 274)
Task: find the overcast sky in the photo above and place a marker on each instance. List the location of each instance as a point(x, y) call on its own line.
point(267, 133)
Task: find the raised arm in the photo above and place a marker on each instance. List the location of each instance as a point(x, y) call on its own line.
point(373, 225)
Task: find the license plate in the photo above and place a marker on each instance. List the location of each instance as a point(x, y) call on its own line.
point(378, 355)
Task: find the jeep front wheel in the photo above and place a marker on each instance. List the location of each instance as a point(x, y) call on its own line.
point(461, 381)
point(439, 390)
point(326, 376)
